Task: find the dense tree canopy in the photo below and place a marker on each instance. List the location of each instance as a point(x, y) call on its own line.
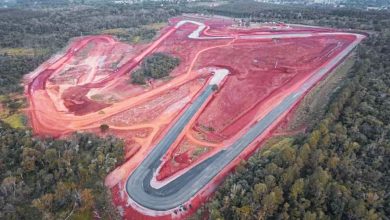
point(155, 66)
point(49, 179)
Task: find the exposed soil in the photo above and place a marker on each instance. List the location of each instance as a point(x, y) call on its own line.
point(88, 85)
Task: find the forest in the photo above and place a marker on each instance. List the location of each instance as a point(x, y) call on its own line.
point(55, 179)
point(155, 66)
point(340, 168)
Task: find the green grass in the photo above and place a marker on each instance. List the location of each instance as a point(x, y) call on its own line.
point(20, 51)
point(115, 31)
point(11, 106)
point(15, 120)
point(83, 215)
point(199, 151)
point(2, 98)
point(155, 26)
point(97, 97)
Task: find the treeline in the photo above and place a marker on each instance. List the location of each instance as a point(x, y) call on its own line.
point(46, 31)
point(332, 17)
point(12, 70)
point(155, 66)
point(56, 179)
point(34, 28)
point(340, 170)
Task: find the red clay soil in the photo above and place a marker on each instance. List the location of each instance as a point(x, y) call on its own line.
point(88, 85)
point(185, 154)
point(265, 62)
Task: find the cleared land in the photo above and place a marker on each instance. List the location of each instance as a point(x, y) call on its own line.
point(184, 133)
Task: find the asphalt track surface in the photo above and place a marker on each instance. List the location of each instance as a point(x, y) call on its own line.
point(183, 188)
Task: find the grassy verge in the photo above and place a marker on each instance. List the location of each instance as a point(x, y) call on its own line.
point(11, 110)
point(314, 103)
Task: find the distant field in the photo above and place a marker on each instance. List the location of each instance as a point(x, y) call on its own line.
point(136, 35)
point(16, 52)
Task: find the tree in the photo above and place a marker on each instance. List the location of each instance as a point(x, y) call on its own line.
point(87, 199)
point(155, 66)
point(138, 77)
point(259, 191)
point(51, 157)
point(104, 128)
point(30, 157)
point(297, 188)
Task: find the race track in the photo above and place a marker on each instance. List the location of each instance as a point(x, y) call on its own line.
point(180, 190)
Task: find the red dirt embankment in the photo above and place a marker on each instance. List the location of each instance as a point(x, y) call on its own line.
point(88, 85)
